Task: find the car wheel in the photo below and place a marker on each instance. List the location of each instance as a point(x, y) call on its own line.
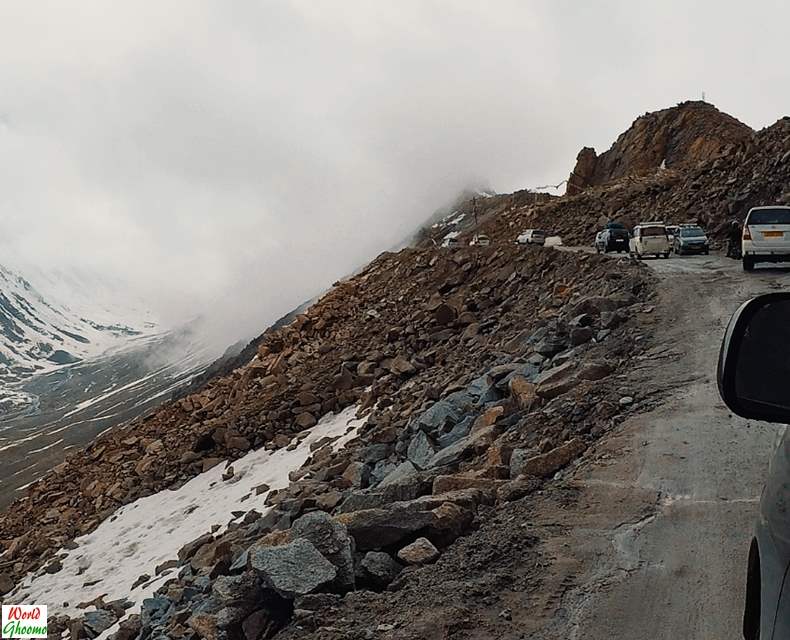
point(748, 263)
point(707, 252)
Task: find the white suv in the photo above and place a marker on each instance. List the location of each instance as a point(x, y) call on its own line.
point(650, 238)
point(766, 236)
point(532, 236)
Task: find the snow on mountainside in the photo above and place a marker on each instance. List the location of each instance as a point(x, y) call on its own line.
point(78, 354)
point(39, 333)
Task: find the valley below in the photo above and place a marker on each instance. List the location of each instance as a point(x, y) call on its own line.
point(68, 407)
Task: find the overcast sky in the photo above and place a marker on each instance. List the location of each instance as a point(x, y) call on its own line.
point(235, 157)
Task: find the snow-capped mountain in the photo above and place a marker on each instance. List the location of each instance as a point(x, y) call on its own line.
point(39, 333)
point(78, 355)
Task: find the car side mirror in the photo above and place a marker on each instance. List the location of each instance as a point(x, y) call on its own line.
point(754, 362)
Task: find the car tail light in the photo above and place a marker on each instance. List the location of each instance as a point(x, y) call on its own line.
point(747, 235)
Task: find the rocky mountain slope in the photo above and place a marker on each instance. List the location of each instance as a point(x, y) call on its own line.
point(719, 187)
point(675, 138)
point(476, 374)
point(713, 192)
point(499, 352)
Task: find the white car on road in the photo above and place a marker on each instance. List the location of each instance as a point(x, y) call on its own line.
point(766, 236)
point(532, 236)
point(650, 238)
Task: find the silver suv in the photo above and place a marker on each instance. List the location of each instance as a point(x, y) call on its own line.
point(766, 236)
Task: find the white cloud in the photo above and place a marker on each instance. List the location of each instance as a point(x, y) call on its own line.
point(252, 152)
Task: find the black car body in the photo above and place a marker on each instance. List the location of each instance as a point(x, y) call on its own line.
point(614, 237)
point(754, 377)
point(690, 238)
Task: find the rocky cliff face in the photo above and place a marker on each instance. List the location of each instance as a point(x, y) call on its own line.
point(675, 138)
point(711, 192)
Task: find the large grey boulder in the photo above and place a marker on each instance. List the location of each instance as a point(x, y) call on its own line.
point(421, 450)
point(332, 541)
point(448, 410)
point(551, 345)
point(377, 569)
point(484, 389)
point(378, 528)
point(97, 621)
point(155, 609)
point(477, 441)
point(408, 488)
point(233, 590)
point(459, 431)
point(596, 305)
point(555, 374)
point(292, 569)
point(402, 474)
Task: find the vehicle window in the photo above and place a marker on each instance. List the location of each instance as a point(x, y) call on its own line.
point(654, 231)
point(692, 232)
point(763, 366)
point(769, 216)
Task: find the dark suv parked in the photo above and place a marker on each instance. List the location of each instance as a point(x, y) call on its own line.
point(614, 237)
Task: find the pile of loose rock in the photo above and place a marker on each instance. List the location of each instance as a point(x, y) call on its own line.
point(483, 371)
point(408, 329)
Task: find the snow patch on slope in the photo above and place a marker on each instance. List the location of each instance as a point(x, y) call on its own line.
point(151, 530)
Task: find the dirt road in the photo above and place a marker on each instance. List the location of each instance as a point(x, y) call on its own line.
point(654, 541)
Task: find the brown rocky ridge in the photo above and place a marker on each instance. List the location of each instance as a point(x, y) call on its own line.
point(676, 138)
point(712, 191)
